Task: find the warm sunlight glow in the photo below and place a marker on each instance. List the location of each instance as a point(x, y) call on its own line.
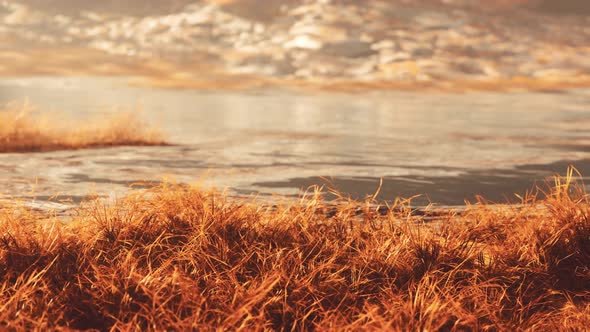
point(22, 129)
point(294, 165)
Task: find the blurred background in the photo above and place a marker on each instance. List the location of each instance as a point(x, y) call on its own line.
point(328, 44)
point(443, 98)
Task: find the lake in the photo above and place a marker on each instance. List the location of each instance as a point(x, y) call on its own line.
point(445, 147)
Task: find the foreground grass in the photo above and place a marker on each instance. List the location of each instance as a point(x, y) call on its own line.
point(21, 130)
point(175, 258)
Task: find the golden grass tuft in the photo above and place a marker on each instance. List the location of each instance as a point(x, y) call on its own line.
point(23, 129)
point(176, 258)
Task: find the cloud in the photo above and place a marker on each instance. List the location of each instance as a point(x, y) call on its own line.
point(22, 15)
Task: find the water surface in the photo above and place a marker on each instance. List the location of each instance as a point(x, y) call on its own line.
point(447, 147)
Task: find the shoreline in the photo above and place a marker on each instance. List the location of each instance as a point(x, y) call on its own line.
point(159, 74)
point(178, 258)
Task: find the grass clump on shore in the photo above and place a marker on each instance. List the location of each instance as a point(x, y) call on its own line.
point(176, 258)
point(23, 130)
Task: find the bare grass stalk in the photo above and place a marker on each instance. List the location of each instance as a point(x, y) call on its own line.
point(177, 258)
point(24, 129)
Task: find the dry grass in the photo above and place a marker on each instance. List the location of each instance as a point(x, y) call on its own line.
point(176, 258)
point(23, 130)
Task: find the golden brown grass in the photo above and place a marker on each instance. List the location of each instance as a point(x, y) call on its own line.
point(22, 130)
point(176, 258)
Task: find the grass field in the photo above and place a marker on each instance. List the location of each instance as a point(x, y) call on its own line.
point(24, 129)
point(174, 257)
